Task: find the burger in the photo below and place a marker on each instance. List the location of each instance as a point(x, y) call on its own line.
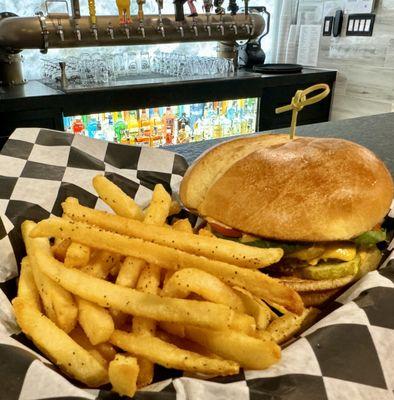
point(322, 200)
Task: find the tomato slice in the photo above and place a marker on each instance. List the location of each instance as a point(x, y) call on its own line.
point(225, 230)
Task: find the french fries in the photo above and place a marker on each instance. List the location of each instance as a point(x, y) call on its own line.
point(27, 289)
point(255, 307)
point(249, 352)
point(129, 272)
point(58, 303)
point(77, 255)
point(59, 249)
point(130, 301)
point(95, 321)
point(183, 225)
point(79, 336)
point(256, 282)
point(157, 212)
point(163, 294)
point(170, 356)
point(74, 360)
point(286, 326)
point(148, 282)
point(123, 372)
point(175, 208)
point(219, 249)
point(101, 264)
point(116, 198)
point(188, 280)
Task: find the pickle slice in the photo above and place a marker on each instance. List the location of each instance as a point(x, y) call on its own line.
point(307, 253)
point(331, 270)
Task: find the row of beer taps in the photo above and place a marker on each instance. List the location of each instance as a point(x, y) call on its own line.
point(126, 19)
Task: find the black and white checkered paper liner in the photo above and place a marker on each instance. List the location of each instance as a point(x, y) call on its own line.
point(349, 354)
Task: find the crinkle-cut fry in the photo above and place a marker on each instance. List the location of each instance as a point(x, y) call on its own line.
point(116, 198)
point(96, 321)
point(73, 359)
point(79, 336)
point(170, 356)
point(286, 326)
point(249, 352)
point(206, 232)
point(182, 225)
point(131, 301)
point(123, 372)
point(255, 307)
point(253, 280)
point(59, 249)
point(58, 303)
point(159, 207)
point(27, 289)
point(129, 272)
point(101, 263)
point(175, 208)
point(77, 256)
point(215, 248)
point(189, 280)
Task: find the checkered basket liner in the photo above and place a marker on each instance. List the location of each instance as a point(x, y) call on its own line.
point(348, 354)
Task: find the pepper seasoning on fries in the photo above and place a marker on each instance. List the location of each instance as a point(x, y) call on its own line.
point(196, 302)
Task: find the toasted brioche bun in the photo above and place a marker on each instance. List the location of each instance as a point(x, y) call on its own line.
point(306, 189)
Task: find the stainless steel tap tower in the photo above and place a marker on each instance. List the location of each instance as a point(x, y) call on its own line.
point(62, 30)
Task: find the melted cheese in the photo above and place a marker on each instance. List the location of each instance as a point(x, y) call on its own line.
point(336, 251)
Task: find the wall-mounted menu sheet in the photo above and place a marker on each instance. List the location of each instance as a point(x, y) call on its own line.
point(292, 44)
point(308, 47)
point(359, 6)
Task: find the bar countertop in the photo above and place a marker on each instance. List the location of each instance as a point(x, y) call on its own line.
point(375, 132)
point(150, 90)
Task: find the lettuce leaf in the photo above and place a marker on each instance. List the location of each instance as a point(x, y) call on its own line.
point(370, 238)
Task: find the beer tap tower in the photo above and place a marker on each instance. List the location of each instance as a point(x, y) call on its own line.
point(62, 30)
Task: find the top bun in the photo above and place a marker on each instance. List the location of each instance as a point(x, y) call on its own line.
point(306, 189)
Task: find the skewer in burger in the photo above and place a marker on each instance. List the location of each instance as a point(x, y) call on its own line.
point(322, 200)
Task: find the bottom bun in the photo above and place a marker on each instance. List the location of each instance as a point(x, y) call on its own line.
point(313, 299)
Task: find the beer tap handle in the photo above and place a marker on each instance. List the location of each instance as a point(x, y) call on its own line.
point(218, 7)
point(75, 9)
point(124, 11)
point(246, 7)
point(93, 18)
point(233, 7)
point(192, 7)
point(141, 10)
point(179, 12)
